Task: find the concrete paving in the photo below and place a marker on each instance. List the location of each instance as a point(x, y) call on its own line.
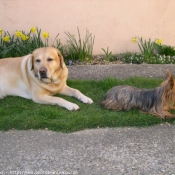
point(120, 71)
point(113, 151)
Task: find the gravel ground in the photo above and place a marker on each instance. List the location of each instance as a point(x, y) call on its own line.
point(129, 151)
point(125, 151)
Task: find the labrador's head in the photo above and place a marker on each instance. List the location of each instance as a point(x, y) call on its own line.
point(46, 63)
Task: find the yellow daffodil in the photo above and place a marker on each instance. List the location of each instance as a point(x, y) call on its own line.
point(133, 39)
point(33, 29)
point(18, 33)
point(1, 31)
point(6, 38)
point(45, 35)
point(159, 41)
point(24, 37)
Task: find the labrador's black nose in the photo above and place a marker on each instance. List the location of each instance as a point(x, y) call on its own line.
point(43, 72)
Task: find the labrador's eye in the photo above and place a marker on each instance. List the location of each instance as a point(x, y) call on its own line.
point(38, 61)
point(49, 59)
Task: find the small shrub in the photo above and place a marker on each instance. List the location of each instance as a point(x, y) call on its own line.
point(166, 50)
point(162, 59)
point(107, 54)
point(80, 49)
point(146, 47)
point(132, 58)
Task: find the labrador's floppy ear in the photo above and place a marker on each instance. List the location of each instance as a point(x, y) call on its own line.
point(33, 59)
point(32, 62)
point(61, 58)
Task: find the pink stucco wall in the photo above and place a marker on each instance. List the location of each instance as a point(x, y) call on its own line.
point(113, 22)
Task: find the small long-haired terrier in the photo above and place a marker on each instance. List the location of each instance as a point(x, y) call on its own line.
point(155, 101)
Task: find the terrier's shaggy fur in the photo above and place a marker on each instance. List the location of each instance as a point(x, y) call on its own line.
point(156, 101)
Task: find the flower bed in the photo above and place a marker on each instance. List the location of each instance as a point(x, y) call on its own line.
point(79, 51)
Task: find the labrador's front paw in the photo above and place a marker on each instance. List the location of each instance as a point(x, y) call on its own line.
point(72, 107)
point(85, 99)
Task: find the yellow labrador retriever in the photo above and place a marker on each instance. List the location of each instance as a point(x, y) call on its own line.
point(38, 76)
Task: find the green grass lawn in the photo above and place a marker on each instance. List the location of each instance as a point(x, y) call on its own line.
point(23, 114)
